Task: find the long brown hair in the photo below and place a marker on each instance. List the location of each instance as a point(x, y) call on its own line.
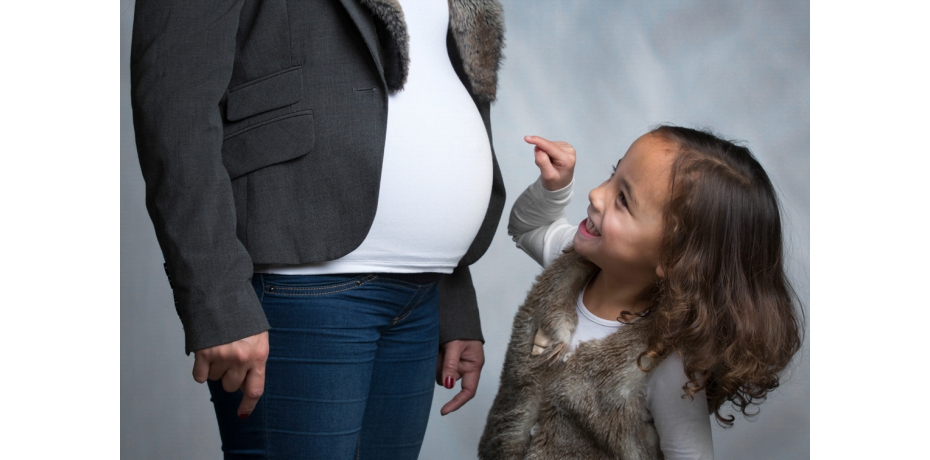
point(725, 303)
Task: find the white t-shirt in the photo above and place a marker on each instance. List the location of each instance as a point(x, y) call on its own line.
point(590, 327)
point(437, 173)
point(538, 226)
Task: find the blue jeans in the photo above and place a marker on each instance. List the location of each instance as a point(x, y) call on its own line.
point(350, 372)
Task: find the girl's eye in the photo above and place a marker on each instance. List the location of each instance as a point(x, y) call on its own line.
point(622, 199)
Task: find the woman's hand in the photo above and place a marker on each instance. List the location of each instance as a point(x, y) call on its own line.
point(556, 161)
point(459, 359)
point(241, 366)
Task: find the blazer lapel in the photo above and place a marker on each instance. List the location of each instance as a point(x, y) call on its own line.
point(363, 21)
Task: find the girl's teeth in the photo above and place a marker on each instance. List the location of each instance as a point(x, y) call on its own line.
point(591, 228)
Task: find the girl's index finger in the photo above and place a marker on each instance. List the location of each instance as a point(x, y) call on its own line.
point(544, 144)
point(561, 153)
point(534, 139)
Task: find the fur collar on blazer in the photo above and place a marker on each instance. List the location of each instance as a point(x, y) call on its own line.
point(590, 405)
point(477, 27)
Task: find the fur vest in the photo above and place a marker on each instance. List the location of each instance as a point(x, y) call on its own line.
point(590, 406)
point(476, 27)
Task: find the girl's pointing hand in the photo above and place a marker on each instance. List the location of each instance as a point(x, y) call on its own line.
point(556, 161)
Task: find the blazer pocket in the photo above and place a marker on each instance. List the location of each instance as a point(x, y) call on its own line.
point(270, 92)
point(270, 142)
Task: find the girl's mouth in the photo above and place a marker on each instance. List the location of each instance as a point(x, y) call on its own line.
point(588, 229)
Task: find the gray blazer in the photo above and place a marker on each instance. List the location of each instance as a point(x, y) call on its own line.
point(260, 127)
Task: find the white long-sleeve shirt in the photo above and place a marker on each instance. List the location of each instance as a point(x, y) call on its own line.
point(437, 173)
point(538, 226)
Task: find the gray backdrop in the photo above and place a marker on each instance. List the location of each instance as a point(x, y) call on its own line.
point(596, 74)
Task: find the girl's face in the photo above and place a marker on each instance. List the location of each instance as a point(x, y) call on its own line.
point(623, 231)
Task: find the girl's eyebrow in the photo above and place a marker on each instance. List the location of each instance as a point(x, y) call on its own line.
point(616, 166)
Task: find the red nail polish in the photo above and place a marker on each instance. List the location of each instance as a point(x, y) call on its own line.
point(449, 382)
point(243, 416)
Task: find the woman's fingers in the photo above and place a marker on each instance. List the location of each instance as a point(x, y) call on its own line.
point(252, 388)
point(232, 379)
point(447, 372)
point(469, 359)
point(239, 364)
point(201, 370)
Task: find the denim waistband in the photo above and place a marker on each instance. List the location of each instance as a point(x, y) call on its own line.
point(419, 278)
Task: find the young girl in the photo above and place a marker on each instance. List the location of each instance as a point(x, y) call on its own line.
point(667, 301)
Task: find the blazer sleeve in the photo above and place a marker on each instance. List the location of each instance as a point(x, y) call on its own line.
point(181, 61)
point(458, 307)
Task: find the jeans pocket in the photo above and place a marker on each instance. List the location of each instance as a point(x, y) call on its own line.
point(311, 285)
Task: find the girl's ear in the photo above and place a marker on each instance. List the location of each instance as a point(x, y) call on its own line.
point(659, 271)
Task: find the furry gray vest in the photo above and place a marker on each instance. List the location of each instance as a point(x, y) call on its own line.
point(476, 26)
point(590, 406)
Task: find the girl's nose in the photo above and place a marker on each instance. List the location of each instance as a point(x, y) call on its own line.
point(595, 196)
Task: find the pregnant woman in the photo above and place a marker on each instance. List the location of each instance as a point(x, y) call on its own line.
point(320, 177)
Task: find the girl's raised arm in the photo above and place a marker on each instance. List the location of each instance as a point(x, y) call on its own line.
point(537, 220)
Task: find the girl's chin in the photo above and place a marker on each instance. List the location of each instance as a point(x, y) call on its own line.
point(580, 243)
